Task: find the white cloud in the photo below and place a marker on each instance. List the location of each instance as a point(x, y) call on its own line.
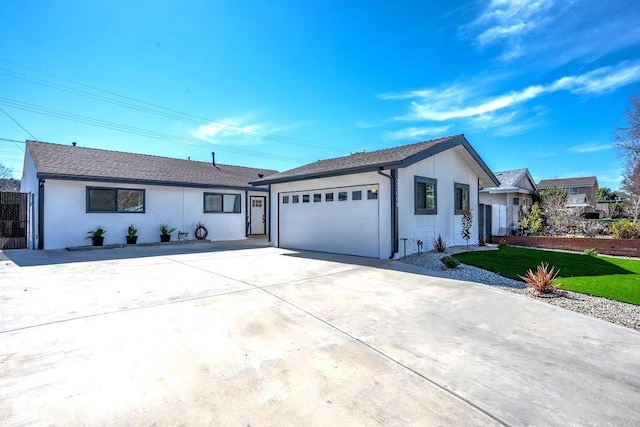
point(459, 102)
point(555, 32)
point(237, 128)
point(414, 133)
point(589, 148)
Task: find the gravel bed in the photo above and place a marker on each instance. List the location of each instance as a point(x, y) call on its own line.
point(620, 313)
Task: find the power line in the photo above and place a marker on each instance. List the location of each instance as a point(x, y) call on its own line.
point(165, 112)
point(138, 131)
point(16, 122)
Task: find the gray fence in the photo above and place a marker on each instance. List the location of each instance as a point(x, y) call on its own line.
point(14, 220)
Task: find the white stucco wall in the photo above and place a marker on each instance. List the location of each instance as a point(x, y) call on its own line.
point(29, 184)
point(67, 222)
point(447, 168)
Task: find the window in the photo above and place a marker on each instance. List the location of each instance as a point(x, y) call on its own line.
point(573, 190)
point(342, 196)
point(356, 195)
point(372, 194)
point(317, 198)
point(516, 201)
point(305, 198)
point(124, 200)
point(425, 195)
point(295, 199)
point(285, 199)
point(328, 197)
point(221, 203)
point(461, 198)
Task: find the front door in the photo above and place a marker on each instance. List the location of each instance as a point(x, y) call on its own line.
point(258, 217)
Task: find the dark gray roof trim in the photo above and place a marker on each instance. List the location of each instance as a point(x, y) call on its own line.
point(60, 177)
point(432, 148)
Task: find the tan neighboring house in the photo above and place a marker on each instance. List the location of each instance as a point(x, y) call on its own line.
point(509, 201)
point(581, 191)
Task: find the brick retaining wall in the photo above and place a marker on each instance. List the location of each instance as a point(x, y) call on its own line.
point(621, 247)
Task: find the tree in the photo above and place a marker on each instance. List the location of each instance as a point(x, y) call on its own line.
point(628, 138)
point(628, 143)
point(467, 221)
point(553, 202)
point(5, 172)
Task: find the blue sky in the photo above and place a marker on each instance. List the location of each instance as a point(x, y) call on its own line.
point(276, 84)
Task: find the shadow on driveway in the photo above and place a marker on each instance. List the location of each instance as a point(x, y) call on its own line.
point(30, 258)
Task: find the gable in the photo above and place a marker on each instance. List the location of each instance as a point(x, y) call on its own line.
point(390, 158)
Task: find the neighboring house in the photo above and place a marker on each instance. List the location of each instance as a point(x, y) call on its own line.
point(581, 191)
point(11, 185)
point(510, 201)
point(77, 189)
point(373, 204)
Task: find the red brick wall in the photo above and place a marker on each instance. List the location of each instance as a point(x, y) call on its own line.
point(621, 247)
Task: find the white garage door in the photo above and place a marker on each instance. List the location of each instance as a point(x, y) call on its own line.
point(338, 220)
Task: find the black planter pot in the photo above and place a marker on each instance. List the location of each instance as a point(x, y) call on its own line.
point(97, 240)
point(132, 240)
point(165, 237)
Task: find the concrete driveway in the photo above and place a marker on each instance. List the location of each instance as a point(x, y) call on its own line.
point(215, 334)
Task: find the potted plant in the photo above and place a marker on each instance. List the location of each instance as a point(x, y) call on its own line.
point(97, 236)
point(165, 233)
point(132, 235)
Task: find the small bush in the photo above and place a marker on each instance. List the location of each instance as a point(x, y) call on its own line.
point(590, 252)
point(543, 280)
point(625, 229)
point(450, 262)
point(439, 245)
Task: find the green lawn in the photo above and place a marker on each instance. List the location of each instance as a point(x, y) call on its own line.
point(608, 277)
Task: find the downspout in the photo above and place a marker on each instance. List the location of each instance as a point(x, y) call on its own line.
point(247, 213)
point(41, 214)
point(394, 210)
point(268, 213)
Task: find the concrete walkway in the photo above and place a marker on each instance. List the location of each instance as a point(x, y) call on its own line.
point(202, 334)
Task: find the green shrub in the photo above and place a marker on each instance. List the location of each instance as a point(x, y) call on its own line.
point(450, 262)
point(625, 229)
point(535, 221)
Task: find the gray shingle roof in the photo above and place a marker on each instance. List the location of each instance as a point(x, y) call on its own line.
point(584, 181)
point(69, 162)
point(509, 180)
point(363, 162)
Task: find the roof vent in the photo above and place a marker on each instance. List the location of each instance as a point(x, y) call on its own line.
point(74, 143)
point(260, 175)
point(213, 158)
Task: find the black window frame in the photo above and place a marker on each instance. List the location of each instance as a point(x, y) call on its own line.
point(285, 199)
point(372, 195)
point(458, 187)
point(342, 194)
point(305, 198)
point(423, 180)
point(328, 197)
point(317, 197)
point(238, 196)
point(295, 198)
point(117, 191)
point(356, 195)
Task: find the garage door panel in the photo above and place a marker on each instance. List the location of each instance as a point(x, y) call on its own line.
point(347, 227)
